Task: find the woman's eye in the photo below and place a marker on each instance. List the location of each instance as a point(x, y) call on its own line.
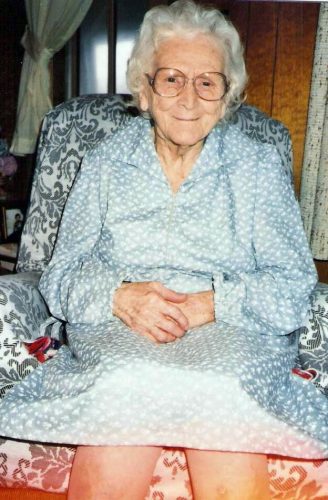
point(206, 83)
point(171, 79)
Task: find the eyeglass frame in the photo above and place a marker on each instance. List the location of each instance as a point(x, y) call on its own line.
point(151, 81)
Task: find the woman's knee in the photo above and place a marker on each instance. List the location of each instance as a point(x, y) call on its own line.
point(112, 472)
point(228, 476)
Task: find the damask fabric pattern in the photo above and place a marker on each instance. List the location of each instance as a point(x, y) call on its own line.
point(22, 312)
point(313, 340)
point(68, 132)
point(112, 375)
point(39, 466)
point(261, 128)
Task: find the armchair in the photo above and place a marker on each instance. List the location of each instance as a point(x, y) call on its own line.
point(68, 132)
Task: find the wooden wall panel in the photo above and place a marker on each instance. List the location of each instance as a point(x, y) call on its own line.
point(261, 53)
point(239, 15)
point(236, 11)
point(291, 87)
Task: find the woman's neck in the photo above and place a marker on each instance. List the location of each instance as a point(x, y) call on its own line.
point(176, 160)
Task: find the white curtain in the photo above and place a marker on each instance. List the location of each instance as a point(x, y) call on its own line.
point(50, 24)
point(314, 187)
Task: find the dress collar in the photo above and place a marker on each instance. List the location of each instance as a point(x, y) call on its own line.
point(136, 147)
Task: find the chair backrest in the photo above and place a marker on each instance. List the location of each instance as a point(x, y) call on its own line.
point(68, 132)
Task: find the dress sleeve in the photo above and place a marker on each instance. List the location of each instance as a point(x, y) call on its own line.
point(79, 282)
point(273, 298)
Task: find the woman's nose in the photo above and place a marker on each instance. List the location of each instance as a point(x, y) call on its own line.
point(188, 96)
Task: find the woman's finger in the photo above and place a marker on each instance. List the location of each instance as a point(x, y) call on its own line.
point(148, 328)
point(168, 326)
point(169, 294)
point(162, 336)
point(177, 315)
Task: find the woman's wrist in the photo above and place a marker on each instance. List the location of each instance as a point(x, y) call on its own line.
point(199, 308)
point(207, 299)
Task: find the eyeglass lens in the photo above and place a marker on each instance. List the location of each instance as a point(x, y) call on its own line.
point(169, 83)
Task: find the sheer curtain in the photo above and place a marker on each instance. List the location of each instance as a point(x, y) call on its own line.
point(50, 24)
point(314, 188)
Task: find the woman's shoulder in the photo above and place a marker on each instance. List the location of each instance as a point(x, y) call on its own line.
point(237, 145)
point(122, 142)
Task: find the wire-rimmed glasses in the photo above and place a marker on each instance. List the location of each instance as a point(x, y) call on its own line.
point(169, 82)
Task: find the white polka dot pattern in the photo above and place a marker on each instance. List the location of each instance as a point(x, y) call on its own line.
point(233, 226)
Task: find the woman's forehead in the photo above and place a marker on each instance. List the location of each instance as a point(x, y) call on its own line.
point(197, 53)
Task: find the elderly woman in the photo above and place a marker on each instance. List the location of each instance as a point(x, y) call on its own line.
point(181, 268)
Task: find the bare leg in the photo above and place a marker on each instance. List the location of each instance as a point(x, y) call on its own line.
point(112, 472)
point(228, 475)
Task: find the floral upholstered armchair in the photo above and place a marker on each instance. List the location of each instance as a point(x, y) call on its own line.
point(68, 132)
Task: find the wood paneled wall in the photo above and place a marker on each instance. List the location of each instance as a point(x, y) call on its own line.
point(279, 40)
point(289, 51)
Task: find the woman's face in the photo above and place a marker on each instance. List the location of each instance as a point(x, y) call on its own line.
point(184, 120)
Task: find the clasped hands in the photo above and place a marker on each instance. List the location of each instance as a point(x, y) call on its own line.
point(162, 315)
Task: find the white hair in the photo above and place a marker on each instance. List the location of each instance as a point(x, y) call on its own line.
point(186, 19)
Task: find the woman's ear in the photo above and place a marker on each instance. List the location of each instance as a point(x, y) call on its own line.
point(223, 109)
point(143, 100)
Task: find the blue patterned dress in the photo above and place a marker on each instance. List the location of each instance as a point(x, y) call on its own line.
point(234, 227)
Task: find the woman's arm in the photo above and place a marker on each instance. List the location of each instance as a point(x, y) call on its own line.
point(274, 297)
point(78, 284)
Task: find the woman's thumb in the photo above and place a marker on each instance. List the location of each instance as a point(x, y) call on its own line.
point(172, 296)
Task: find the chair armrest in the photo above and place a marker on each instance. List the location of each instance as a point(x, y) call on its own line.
point(22, 308)
point(22, 311)
point(313, 340)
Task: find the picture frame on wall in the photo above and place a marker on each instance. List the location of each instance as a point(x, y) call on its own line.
point(12, 215)
point(12, 220)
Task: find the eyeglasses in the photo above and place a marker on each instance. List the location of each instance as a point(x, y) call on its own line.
point(169, 82)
